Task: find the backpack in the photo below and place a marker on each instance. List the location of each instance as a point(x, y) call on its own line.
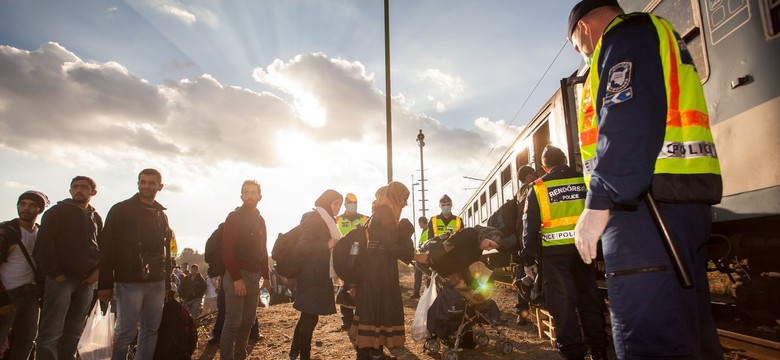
point(505, 220)
point(213, 252)
point(177, 336)
point(288, 262)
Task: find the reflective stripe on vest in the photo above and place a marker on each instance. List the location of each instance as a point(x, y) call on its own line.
point(560, 204)
point(346, 225)
point(688, 147)
point(439, 227)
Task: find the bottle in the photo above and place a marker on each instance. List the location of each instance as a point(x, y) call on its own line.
point(265, 298)
point(353, 253)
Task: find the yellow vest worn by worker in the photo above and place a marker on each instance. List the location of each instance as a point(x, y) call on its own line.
point(439, 227)
point(687, 168)
point(561, 202)
point(346, 225)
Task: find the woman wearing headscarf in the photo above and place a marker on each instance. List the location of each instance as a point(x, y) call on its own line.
point(379, 312)
point(314, 294)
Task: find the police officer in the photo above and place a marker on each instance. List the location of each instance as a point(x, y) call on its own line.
point(446, 222)
point(552, 208)
point(346, 222)
point(644, 127)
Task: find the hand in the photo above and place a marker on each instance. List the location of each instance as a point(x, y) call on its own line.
point(590, 226)
point(332, 244)
point(421, 258)
point(5, 310)
point(60, 278)
point(531, 271)
point(93, 278)
point(105, 295)
point(240, 287)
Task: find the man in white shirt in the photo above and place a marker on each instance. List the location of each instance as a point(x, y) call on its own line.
point(19, 295)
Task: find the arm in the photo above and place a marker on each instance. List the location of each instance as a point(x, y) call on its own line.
point(265, 270)
point(631, 132)
point(46, 243)
point(107, 243)
point(532, 222)
point(229, 240)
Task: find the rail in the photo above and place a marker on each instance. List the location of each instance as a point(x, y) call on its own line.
point(752, 347)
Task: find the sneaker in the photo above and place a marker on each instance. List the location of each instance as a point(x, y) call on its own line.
point(257, 336)
point(522, 320)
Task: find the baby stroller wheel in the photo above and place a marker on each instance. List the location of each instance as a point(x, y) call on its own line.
point(481, 338)
point(504, 347)
point(449, 354)
point(432, 345)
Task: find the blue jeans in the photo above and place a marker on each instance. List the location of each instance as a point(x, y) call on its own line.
point(240, 314)
point(65, 309)
point(137, 301)
point(23, 318)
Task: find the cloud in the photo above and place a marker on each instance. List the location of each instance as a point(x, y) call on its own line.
point(444, 89)
point(115, 115)
point(185, 13)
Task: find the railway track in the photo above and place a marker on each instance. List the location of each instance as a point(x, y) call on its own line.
point(749, 346)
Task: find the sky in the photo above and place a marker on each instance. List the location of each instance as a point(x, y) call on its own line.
point(288, 92)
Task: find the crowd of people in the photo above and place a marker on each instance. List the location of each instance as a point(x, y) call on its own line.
point(52, 274)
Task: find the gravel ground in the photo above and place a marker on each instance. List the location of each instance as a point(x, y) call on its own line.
point(330, 342)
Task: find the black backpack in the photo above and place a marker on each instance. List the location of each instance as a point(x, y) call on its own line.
point(213, 252)
point(288, 262)
point(177, 337)
point(505, 220)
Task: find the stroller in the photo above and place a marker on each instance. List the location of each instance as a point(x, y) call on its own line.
point(460, 316)
point(457, 321)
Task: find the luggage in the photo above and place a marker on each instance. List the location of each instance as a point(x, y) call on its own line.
point(347, 270)
point(177, 337)
point(288, 262)
point(213, 252)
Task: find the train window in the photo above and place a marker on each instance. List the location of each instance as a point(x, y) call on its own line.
point(522, 158)
point(470, 218)
point(483, 208)
point(507, 185)
point(494, 202)
point(476, 213)
point(686, 18)
point(770, 12)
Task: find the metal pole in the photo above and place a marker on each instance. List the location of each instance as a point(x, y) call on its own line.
point(387, 95)
point(414, 217)
point(421, 142)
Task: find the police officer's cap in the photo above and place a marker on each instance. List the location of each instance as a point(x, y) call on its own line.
point(351, 198)
point(583, 8)
point(445, 199)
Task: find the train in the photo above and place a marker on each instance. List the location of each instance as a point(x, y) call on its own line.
point(736, 49)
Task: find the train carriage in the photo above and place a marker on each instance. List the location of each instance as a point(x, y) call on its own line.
point(736, 49)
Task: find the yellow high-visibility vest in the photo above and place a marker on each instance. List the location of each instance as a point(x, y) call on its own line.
point(688, 151)
point(439, 227)
point(346, 225)
point(560, 204)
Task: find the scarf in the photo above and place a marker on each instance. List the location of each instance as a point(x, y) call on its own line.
point(335, 234)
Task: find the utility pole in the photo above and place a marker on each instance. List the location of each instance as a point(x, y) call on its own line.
point(421, 143)
point(387, 95)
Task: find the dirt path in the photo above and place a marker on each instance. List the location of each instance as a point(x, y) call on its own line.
point(330, 342)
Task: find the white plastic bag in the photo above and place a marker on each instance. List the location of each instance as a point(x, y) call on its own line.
point(420, 322)
point(96, 341)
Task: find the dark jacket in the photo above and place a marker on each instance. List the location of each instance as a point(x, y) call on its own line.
point(465, 251)
point(314, 291)
point(193, 286)
point(136, 235)
point(244, 243)
point(67, 240)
